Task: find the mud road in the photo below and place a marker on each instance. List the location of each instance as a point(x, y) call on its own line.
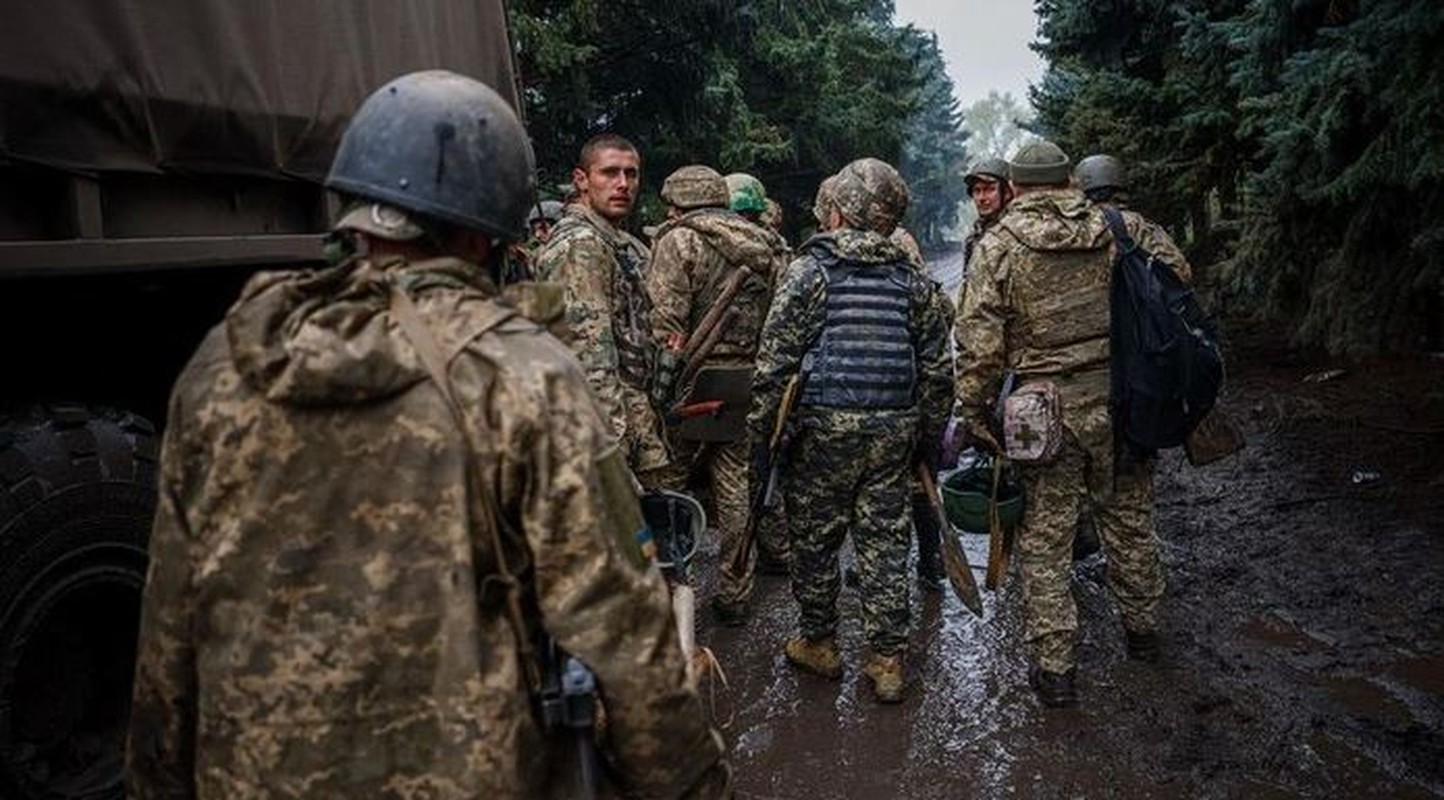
point(1304, 625)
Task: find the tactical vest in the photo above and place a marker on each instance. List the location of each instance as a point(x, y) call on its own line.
point(864, 357)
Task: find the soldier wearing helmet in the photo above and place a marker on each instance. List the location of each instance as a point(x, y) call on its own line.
point(704, 248)
point(987, 182)
point(1104, 181)
point(603, 270)
point(859, 326)
point(1035, 303)
point(309, 631)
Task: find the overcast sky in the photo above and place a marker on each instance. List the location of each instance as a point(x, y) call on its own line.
point(985, 43)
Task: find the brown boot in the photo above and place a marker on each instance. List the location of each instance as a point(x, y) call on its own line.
point(820, 656)
point(886, 673)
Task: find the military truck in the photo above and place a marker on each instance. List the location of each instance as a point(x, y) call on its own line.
point(153, 153)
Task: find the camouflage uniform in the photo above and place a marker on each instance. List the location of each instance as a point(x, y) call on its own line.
point(693, 257)
point(850, 468)
point(608, 314)
point(1035, 301)
point(314, 633)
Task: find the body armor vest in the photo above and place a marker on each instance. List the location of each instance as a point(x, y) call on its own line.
point(864, 357)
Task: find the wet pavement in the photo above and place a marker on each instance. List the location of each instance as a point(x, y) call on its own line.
point(1304, 627)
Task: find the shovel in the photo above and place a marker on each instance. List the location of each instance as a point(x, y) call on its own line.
point(955, 561)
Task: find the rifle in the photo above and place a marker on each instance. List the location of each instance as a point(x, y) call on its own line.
point(1000, 542)
point(568, 702)
point(765, 495)
point(694, 349)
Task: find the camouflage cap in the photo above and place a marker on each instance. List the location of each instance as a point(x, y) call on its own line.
point(380, 220)
point(987, 167)
point(1100, 172)
point(1039, 162)
point(748, 194)
point(695, 186)
point(871, 195)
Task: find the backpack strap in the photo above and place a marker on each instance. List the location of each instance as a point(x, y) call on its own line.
point(1119, 228)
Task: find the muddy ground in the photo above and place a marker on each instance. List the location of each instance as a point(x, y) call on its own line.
point(1304, 626)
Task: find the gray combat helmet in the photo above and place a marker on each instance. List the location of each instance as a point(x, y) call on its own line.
point(1039, 163)
point(443, 146)
point(990, 167)
point(1100, 171)
point(548, 210)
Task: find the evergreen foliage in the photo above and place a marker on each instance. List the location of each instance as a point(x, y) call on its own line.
point(1296, 141)
point(789, 91)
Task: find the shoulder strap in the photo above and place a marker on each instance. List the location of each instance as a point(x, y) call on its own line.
point(429, 351)
point(1119, 228)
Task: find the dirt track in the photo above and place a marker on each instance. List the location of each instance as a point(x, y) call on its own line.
point(1304, 622)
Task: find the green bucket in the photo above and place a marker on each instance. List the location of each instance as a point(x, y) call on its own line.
point(966, 494)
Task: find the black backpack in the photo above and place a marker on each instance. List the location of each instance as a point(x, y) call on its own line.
point(1166, 367)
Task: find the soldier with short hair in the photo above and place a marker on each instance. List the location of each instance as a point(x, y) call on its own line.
point(603, 272)
point(858, 325)
point(381, 490)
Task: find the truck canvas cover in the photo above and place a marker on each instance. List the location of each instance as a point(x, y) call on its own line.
point(259, 88)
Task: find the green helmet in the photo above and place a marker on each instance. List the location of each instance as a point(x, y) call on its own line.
point(695, 186)
point(989, 167)
point(748, 194)
point(1039, 163)
point(1100, 172)
point(967, 496)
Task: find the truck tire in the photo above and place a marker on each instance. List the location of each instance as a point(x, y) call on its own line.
point(77, 493)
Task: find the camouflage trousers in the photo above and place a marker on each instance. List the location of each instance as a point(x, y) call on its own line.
point(720, 472)
point(851, 473)
point(1057, 500)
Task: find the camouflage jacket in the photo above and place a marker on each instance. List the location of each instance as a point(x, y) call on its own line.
point(321, 617)
point(795, 322)
point(980, 226)
point(692, 257)
point(608, 314)
point(909, 245)
point(1035, 301)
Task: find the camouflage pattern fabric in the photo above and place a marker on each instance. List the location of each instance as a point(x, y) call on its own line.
point(608, 313)
point(850, 470)
point(1057, 496)
point(909, 245)
point(870, 194)
point(1035, 300)
point(693, 257)
point(975, 234)
point(320, 618)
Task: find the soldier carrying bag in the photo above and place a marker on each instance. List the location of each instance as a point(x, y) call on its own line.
point(1167, 367)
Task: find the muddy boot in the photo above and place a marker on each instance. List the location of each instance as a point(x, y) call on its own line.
point(1143, 646)
point(1055, 689)
point(728, 615)
point(820, 657)
point(886, 673)
point(930, 546)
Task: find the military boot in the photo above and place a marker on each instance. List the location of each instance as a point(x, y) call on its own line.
point(1143, 645)
point(886, 673)
point(1055, 689)
point(818, 656)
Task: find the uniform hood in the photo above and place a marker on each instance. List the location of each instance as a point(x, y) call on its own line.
point(852, 244)
point(327, 337)
point(1056, 219)
point(739, 240)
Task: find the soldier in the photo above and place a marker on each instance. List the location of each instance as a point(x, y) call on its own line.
point(1036, 302)
point(859, 326)
point(1104, 182)
point(602, 270)
point(987, 182)
point(309, 631)
point(698, 251)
